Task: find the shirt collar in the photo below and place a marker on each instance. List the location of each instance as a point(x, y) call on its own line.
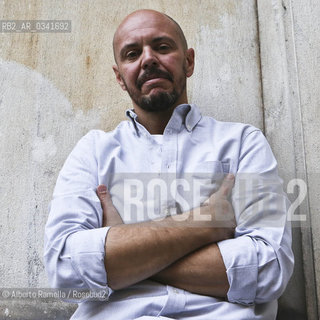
point(188, 114)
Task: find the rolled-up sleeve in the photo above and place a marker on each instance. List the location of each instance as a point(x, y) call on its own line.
point(259, 260)
point(74, 237)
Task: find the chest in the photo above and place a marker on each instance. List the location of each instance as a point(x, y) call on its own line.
point(152, 180)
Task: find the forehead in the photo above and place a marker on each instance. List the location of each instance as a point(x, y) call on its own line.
point(145, 26)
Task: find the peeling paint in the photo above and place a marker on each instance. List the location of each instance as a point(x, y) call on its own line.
point(6, 312)
point(39, 128)
point(35, 267)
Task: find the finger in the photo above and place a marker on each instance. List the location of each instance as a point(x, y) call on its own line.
point(226, 186)
point(110, 213)
point(104, 196)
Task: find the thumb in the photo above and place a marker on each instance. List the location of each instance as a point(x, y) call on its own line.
point(110, 214)
point(104, 196)
point(226, 186)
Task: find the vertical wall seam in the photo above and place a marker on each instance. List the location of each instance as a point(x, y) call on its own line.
point(304, 162)
point(290, 84)
point(260, 68)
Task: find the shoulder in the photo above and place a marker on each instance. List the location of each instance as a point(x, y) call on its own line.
point(232, 130)
point(97, 136)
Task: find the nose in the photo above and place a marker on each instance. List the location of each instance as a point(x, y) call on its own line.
point(149, 58)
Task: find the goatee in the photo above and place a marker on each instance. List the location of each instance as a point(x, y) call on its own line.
point(158, 102)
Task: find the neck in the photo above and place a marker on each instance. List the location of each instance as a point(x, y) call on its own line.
point(154, 122)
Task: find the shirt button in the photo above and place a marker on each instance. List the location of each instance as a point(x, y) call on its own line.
point(175, 291)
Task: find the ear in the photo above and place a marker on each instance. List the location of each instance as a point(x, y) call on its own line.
point(118, 77)
point(189, 62)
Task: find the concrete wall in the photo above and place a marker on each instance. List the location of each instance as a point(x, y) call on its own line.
point(256, 62)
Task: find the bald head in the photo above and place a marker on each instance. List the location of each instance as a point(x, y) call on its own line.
point(145, 17)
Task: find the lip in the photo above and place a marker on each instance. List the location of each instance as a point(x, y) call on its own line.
point(153, 81)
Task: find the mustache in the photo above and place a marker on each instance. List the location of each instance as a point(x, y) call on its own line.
point(151, 74)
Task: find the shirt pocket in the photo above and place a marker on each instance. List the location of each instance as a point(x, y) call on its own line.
point(202, 182)
point(213, 167)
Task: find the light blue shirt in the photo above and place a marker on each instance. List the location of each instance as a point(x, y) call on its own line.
point(196, 151)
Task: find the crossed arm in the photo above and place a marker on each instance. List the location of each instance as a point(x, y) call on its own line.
point(180, 253)
point(259, 261)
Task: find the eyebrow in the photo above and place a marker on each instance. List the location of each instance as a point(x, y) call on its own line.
point(127, 47)
point(153, 41)
point(164, 38)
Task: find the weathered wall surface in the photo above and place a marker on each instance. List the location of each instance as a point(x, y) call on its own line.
point(256, 62)
point(285, 62)
point(306, 28)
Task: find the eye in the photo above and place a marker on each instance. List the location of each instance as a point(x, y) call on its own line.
point(163, 47)
point(132, 54)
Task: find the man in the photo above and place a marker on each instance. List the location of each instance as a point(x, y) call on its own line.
point(169, 254)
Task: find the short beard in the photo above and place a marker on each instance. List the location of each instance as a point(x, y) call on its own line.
point(161, 101)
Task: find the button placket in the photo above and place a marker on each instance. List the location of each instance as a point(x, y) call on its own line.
point(176, 301)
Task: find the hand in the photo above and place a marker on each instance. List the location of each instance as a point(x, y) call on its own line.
point(137, 251)
point(217, 211)
point(111, 216)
